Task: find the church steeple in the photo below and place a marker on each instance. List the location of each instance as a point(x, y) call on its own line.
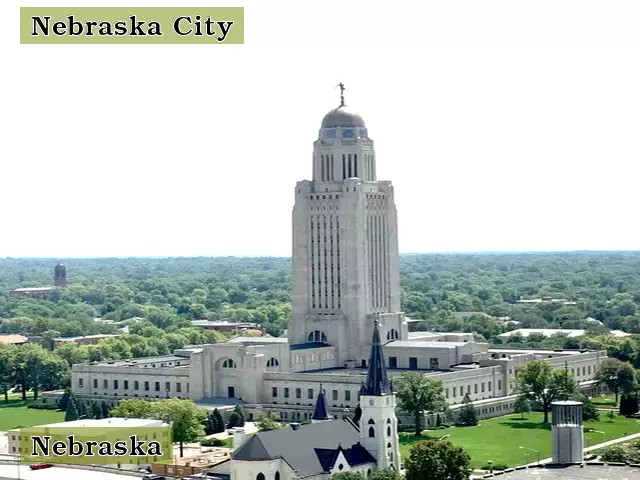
point(321, 412)
point(377, 380)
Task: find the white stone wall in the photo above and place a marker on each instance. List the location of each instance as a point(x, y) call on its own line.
point(378, 430)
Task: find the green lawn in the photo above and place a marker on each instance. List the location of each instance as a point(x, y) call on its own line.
point(498, 439)
point(605, 401)
point(16, 414)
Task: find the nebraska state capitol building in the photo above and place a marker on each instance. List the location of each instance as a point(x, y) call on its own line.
point(345, 278)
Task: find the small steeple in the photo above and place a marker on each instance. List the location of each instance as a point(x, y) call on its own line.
point(377, 381)
point(321, 412)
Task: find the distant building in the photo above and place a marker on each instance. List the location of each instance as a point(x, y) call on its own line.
point(60, 275)
point(36, 292)
point(59, 280)
point(547, 332)
point(13, 435)
point(13, 339)
point(226, 326)
point(86, 340)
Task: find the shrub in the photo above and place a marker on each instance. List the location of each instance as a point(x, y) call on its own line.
point(614, 453)
point(213, 442)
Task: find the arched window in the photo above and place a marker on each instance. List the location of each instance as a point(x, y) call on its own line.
point(372, 432)
point(388, 420)
point(388, 431)
point(389, 445)
point(228, 363)
point(276, 476)
point(393, 334)
point(260, 476)
point(272, 362)
point(317, 336)
point(371, 422)
point(369, 473)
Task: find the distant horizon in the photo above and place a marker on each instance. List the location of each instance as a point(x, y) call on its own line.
point(478, 252)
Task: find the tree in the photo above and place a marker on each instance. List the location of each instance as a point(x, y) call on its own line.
point(522, 405)
point(64, 400)
point(96, 411)
point(439, 460)
point(71, 413)
point(628, 405)
point(106, 413)
point(417, 395)
point(235, 420)
point(185, 418)
point(540, 383)
point(348, 476)
point(589, 410)
point(467, 416)
point(616, 375)
point(357, 414)
point(386, 474)
point(134, 408)
point(214, 422)
point(219, 421)
point(268, 421)
point(611, 416)
point(239, 418)
point(7, 370)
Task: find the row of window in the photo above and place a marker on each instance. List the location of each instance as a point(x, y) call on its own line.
point(434, 363)
point(310, 393)
point(136, 385)
point(475, 389)
point(378, 261)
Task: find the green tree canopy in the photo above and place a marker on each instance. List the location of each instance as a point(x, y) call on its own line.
point(417, 395)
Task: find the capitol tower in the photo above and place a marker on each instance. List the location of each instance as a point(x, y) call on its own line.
point(345, 245)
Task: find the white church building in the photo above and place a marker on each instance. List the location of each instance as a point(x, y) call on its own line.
point(346, 279)
point(326, 445)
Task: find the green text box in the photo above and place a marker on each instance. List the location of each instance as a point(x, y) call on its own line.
point(96, 445)
point(130, 25)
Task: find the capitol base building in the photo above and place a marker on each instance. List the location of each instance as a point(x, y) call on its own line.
point(346, 283)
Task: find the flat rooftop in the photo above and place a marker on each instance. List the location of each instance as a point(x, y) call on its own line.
point(424, 344)
point(59, 473)
point(257, 340)
point(73, 339)
point(105, 422)
point(167, 360)
point(575, 472)
point(516, 351)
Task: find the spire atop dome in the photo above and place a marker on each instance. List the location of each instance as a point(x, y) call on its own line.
point(377, 381)
point(342, 89)
point(321, 412)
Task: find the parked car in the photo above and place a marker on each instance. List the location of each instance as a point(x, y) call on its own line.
point(40, 466)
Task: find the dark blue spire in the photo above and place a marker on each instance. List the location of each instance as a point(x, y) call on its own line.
point(377, 381)
point(321, 411)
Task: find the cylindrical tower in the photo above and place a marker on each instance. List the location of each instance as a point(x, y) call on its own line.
point(60, 275)
point(567, 432)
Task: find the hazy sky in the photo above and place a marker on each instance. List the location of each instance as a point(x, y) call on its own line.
point(504, 125)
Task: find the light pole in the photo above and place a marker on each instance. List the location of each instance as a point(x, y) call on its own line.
point(527, 448)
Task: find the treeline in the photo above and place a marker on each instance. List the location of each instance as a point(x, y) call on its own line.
point(170, 291)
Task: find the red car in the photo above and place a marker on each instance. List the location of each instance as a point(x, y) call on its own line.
point(40, 466)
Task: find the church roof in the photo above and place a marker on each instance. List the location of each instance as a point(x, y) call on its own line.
point(309, 448)
point(356, 455)
point(377, 381)
point(321, 412)
point(341, 117)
